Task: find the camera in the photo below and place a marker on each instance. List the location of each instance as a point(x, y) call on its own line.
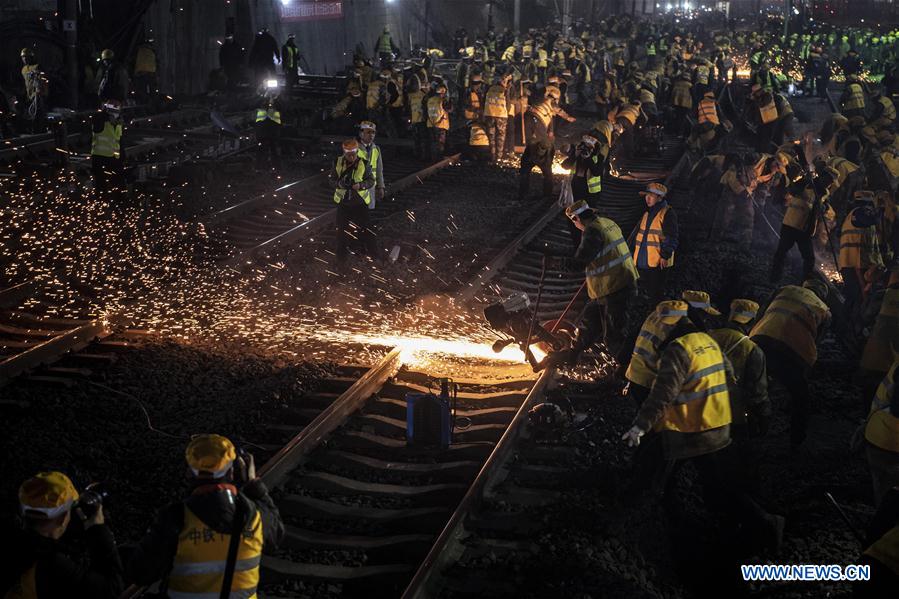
point(91, 499)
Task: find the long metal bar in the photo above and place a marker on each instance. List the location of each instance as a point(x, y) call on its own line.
point(438, 557)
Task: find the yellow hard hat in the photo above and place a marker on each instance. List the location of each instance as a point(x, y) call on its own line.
point(577, 209)
point(47, 495)
point(210, 455)
point(701, 300)
point(552, 92)
point(656, 189)
point(350, 145)
point(27, 52)
point(107, 54)
point(743, 311)
point(671, 311)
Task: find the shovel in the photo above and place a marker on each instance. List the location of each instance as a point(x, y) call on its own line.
point(519, 149)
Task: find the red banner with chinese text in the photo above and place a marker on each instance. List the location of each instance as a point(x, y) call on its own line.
point(311, 10)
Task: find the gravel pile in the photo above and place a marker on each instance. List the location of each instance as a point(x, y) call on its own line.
point(100, 433)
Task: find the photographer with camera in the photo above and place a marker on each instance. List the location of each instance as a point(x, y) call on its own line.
point(38, 563)
point(213, 538)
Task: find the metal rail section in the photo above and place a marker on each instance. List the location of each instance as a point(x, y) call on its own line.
point(52, 349)
point(325, 220)
point(292, 454)
point(440, 554)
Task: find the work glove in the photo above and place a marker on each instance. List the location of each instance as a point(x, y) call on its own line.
point(633, 435)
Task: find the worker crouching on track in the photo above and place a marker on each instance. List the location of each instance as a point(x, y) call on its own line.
point(37, 565)
point(218, 531)
point(107, 156)
point(586, 165)
point(353, 181)
point(687, 417)
point(788, 333)
point(611, 284)
point(655, 240)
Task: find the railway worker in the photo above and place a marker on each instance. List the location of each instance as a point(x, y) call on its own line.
point(735, 214)
point(586, 165)
point(371, 153)
point(611, 284)
point(785, 129)
point(385, 48)
point(473, 105)
point(498, 107)
point(882, 345)
point(643, 365)
point(107, 153)
point(859, 258)
point(750, 407)
point(788, 332)
point(687, 417)
point(655, 241)
point(881, 433)
point(763, 111)
point(417, 114)
point(350, 109)
point(112, 78)
point(852, 102)
point(353, 181)
point(708, 109)
point(883, 111)
point(478, 142)
point(682, 101)
point(190, 541)
point(438, 110)
point(38, 565)
point(540, 147)
point(290, 61)
point(36, 91)
point(806, 198)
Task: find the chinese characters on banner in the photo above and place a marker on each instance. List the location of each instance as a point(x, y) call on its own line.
point(311, 10)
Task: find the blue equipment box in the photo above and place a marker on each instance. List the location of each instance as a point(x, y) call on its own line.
point(429, 420)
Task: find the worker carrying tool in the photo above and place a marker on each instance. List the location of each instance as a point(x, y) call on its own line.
point(353, 181)
point(36, 91)
point(788, 331)
point(39, 565)
point(655, 241)
point(107, 151)
point(213, 539)
point(611, 281)
point(859, 258)
point(371, 153)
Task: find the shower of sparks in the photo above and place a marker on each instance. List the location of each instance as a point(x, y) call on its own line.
point(132, 262)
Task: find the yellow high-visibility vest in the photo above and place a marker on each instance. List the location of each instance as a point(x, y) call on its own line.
point(496, 104)
point(886, 549)
point(371, 159)
point(680, 94)
point(612, 268)
point(793, 318)
point(852, 241)
point(878, 354)
point(108, 141)
point(478, 137)
point(198, 568)
point(26, 587)
point(594, 184)
point(882, 428)
point(644, 365)
point(437, 115)
point(856, 99)
point(472, 110)
point(652, 239)
point(703, 402)
point(768, 112)
point(737, 347)
point(358, 177)
point(799, 209)
point(373, 95)
point(416, 110)
point(708, 111)
point(268, 113)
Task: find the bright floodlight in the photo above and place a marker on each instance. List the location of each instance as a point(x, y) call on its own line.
point(285, 2)
point(271, 83)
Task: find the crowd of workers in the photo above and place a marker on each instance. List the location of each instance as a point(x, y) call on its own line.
point(698, 379)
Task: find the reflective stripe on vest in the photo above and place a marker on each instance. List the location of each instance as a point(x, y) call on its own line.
point(852, 240)
point(882, 428)
point(708, 111)
point(478, 136)
point(358, 177)
point(798, 209)
point(384, 45)
point(437, 116)
point(268, 113)
point(737, 347)
point(889, 109)
point(793, 319)
point(878, 354)
point(496, 105)
point(416, 110)
point(544, 113)
point(373, 95)
point(612, 268)
point(652, 238)
point(630, 113)
point(886, 550)
point(198, 568)
point(643, 367)
point(647, 97)
point(703, 402)
point(594, 184)
point(108, 141)
point(371, 160)
point(856, 99)
point(702, 74)
point(474, 105)
point(651, 50)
